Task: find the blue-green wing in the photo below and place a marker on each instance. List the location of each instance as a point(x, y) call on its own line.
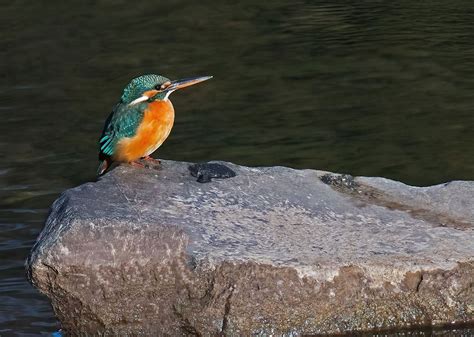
point(122, 122)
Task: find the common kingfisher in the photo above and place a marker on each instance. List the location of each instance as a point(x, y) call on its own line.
point(141, 121)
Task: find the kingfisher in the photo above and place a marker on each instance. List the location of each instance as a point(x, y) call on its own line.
point(141, 121)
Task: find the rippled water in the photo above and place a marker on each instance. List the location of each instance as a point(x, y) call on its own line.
point(362, 87)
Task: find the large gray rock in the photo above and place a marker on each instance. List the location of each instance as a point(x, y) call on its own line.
point(269, 251)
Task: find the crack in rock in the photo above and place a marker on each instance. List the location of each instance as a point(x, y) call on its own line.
point(225, 320)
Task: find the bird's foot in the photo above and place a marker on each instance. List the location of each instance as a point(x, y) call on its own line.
point(137, 164)
point(147, 162)
point(151, 159)
point(150, 163)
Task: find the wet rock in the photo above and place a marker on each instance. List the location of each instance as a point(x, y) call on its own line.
point(270, 251)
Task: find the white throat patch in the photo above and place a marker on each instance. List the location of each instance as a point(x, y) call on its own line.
point(138, 100)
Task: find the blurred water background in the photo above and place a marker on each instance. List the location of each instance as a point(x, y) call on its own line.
point(376, 88)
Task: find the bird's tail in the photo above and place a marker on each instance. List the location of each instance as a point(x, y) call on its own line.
point(104, 165)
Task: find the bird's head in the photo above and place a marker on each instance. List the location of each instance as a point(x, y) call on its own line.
point(155, 87)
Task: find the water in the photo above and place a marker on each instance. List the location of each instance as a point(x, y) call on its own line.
point(373, 88)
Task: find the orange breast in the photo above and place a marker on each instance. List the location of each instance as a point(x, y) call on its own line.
point(153, 130)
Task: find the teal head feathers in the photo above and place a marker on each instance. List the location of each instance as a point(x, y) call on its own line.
point(141, 84)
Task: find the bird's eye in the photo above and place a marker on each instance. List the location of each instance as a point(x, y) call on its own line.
point(163, 86)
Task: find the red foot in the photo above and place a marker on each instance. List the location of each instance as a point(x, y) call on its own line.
point(146, 162)
point(137, 164)
point(148, 158)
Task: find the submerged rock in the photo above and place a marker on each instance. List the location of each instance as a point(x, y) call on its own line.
point(268, 251)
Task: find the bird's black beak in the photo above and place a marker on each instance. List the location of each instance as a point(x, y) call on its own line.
point(186, 82)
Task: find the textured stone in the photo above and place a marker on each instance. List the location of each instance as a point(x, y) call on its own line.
point(269, 251)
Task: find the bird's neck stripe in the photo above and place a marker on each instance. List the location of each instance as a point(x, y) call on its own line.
point(168, 93)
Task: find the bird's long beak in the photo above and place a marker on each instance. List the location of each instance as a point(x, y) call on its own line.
point(186, 82)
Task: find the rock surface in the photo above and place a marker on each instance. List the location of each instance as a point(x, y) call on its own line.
point(269, 251)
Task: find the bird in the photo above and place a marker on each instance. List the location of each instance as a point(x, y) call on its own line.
point(141, 121)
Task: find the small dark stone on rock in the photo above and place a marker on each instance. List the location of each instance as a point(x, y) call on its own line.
point(339, 180)
point(204, 172)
